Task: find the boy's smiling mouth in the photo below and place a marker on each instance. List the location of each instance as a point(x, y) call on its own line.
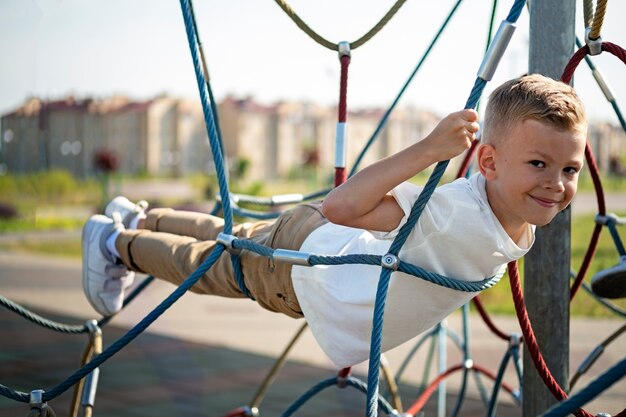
point(545, 202)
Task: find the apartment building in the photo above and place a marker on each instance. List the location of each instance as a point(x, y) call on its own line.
point(158, 136)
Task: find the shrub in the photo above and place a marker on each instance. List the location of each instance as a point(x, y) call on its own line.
point(8, 211)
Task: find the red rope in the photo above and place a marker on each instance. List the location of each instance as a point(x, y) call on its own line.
point(593, 167)
point(425, 396)
point(467, 159)
point(490, 324)
point(238, 412)
point(531, 341)
point(340, 176)
point(340, 172)
point(343, 88)
point(595, 236)
point(344, 372)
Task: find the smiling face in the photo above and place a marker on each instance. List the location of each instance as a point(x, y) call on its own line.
point(532, 175)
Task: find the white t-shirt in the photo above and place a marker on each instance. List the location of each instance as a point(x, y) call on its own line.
point(457, 235)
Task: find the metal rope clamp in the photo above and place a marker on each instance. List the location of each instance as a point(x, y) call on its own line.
point(292, 256)
point(390, 261)
point(88, 397)
point(515, 340)
point(496, 50)
point(227, 241)
point(36, 400)
point(343, 49)
point(595, 45)
point(250, 411)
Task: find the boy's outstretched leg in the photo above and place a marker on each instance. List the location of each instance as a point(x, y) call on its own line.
point(104, 277)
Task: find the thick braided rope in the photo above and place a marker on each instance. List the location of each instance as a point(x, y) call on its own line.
point(349, 380)
point(594, 20)
point(333, 46)
point(61, 327)
point(418, 207)
point(375, 260)
point(213, 138)
point(124, 340)
point(383, 120)
point(531, 341)
point(342, 115)
point(587, 394)
point(568, 73)
point(42, 321)
point(595, 235)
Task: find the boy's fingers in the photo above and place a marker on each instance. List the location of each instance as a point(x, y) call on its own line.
point(473, 127)
point(470, 115)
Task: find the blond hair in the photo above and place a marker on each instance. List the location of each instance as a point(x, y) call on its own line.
point(533, 97)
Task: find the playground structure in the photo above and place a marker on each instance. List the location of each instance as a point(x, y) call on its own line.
point(38, 398)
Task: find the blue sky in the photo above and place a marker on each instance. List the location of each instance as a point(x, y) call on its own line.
point(51, 48)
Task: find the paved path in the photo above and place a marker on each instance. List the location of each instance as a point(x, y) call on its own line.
point(206, 355)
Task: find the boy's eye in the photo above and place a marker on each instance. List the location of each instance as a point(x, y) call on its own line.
point(537, 163)
point(571, 170)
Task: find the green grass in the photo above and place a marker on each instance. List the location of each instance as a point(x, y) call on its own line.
point(67, 248)
point(39, 224)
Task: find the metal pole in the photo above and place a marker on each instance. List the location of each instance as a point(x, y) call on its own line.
point(547, 266)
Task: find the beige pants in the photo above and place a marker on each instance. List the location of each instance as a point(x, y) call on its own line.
point(175, 243)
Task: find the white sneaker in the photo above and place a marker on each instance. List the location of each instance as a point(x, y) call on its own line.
point(126, 208)
point(104, 277)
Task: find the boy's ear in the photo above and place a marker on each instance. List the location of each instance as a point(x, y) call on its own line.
point(487, 160)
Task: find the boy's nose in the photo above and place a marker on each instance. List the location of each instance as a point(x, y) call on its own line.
point(554, 182)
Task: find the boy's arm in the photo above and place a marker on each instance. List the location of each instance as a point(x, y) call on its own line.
point(363, 201)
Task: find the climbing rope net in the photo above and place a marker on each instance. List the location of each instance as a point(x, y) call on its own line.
point(87, 375)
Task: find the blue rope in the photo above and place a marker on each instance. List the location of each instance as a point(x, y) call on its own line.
point(124, 340)
point(375, 260)
point(416, 211)
point(466, 357)
point(213, 139)
point(351, 381)
point(591, 391)
point(491, 410)
point(61, 327)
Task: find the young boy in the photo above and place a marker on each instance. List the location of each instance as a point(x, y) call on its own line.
point(532, 150)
